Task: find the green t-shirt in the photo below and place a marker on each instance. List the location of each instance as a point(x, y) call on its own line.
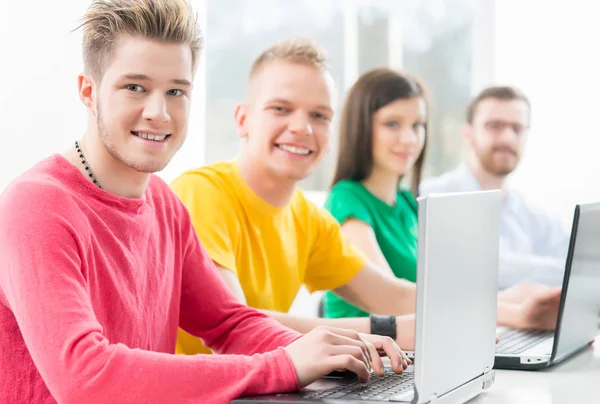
point(395, 228)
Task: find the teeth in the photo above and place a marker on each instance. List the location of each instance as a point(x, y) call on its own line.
point(293, 149)
point(156, 138)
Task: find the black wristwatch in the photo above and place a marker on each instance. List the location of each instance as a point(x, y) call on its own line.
point(383, 325)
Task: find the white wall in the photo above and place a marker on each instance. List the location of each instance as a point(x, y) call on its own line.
point(40, 112)
point(550, 50)
point(39, 109)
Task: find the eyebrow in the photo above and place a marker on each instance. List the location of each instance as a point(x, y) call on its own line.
point(402, 118)
point(143, 77)
point(284, 101)
point(326, 108)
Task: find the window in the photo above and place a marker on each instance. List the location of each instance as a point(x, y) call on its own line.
point(431, 38)
point(438, 49)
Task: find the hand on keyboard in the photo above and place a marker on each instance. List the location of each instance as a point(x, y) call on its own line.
point(540, 310)
point(326, 349)
point(535, 306)
point(386, 347)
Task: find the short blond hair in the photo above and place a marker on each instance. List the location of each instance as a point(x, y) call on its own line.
point(295, 50)
point(170, 21)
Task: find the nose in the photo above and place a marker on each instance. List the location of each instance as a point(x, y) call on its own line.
point(408, 136)
point(155, 109)
point(300, 124)
point(509, 135)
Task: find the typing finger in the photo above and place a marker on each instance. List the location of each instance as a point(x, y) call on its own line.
point(349, 362)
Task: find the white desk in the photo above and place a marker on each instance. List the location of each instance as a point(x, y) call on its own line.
point(575, 380)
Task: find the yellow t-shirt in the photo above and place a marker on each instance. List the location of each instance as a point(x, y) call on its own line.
point(273, 251)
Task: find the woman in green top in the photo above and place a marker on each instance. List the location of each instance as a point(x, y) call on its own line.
point(382, 137)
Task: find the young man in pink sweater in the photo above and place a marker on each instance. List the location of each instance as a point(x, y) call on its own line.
point(100, 263)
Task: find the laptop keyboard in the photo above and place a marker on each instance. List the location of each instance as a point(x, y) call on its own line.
point(513, 342)
point(389, 387)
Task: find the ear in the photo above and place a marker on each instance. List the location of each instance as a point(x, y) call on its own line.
point(87, 91)
point(241, 123)
point(467, 132)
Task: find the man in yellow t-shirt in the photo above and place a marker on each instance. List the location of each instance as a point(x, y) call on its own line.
point(268, 248)
point(267, 239)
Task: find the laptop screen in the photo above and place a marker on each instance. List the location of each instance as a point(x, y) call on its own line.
point(579, 320)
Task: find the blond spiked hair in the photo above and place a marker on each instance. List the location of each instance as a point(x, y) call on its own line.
point(170, 21)
point(295, 50)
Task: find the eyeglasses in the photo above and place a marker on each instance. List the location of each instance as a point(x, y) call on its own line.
point(498, 126)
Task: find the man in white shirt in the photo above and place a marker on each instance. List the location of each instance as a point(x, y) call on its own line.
point(533, 245)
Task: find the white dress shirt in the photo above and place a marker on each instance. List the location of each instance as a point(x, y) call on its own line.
point(533, 245)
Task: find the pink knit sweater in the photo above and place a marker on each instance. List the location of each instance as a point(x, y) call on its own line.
point(93, 287)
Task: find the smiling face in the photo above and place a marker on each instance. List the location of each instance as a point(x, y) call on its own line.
point(141, 105)
point(398, 135)
point(497, 134)
point(286, 122)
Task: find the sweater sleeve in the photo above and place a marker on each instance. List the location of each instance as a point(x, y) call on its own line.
point(42, 283)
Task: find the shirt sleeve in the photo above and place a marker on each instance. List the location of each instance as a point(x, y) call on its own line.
point(550, 238)
point(516, 268)
point(210, 311)
point(209, 206)
point(545, 263)
point(332, 261)
point(433, 185)
point(458, 180)
point(344, 204)
point(43, 286)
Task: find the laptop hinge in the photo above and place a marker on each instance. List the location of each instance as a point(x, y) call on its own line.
point(489, 378)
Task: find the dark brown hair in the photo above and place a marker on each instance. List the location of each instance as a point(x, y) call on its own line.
point(373, 90)
point(505, 93)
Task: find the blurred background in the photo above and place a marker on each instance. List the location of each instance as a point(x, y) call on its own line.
point(456, 46)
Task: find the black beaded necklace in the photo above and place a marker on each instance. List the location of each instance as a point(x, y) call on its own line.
point(86, 165)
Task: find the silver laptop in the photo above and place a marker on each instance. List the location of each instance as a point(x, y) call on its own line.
point(457, 280)
point(578, 321)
